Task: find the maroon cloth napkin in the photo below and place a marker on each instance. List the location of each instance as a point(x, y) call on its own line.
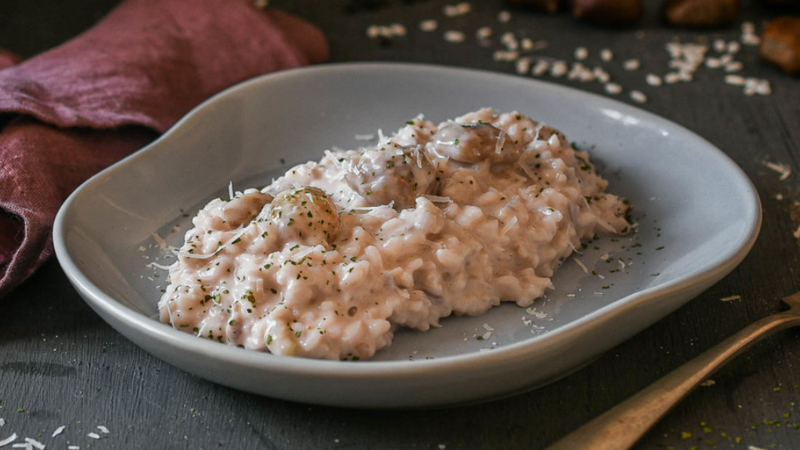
point(76, 109)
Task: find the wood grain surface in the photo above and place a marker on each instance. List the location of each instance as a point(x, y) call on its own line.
point(60, 364)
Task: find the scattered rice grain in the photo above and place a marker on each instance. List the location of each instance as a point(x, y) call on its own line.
point(453, 36)
point(606, 55)
point(653, 79)
point(731, 298)
point(672, 78)
point(540, 68)
point(458, 9)
point(638, 97)
point(398, 29)
point(733, 66)
point(504, 16)
point(581, 53)
point(613, 88)
point(505, 55)
point(734, 80)
point(559, 69)
point(428, 25)
point(713, 63)
point(631, 64)
point(523, 65)
point(527, 44)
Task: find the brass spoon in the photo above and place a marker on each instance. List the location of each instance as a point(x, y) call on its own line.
point(622, 426)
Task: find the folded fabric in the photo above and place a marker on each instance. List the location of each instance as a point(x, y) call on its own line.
point(75, 109)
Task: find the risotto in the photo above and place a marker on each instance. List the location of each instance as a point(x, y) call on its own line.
point(334, 256)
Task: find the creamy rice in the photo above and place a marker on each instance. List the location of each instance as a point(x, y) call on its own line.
point(330, 259)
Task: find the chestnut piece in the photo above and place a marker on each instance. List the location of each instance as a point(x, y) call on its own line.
point(780, 43)
point(608, 12)
point(701, 13)
point(550, 6)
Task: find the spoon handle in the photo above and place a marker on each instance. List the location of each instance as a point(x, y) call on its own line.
point(622, 426)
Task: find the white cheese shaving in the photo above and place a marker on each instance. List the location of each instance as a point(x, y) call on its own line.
point(782, 169)
point(527, 170)
point(8, 440)
point(103, 429)
point(93, 435)
point(24, 445)
point(157, 266)
point(501, 140)
point(59, 430)
point(2, 422)
point(487, 327)
point(509, 225)
point(438, 199)
point(161, 243)
point(581, 265)
point(605, 225)
point(236, 236)
point(535, 313)
point(35, 443)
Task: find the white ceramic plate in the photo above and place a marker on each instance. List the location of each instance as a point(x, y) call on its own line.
point(698, 217)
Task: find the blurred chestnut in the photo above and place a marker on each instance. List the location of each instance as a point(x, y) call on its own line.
point(608, 12)
point(780, 43)
point(550, 6)
point(701, 13)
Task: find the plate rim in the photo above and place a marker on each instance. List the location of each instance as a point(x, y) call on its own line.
point(100, 301)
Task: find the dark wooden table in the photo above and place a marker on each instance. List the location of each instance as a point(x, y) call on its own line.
point(61, 365)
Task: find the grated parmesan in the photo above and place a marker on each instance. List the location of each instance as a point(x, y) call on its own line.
point(784, 170)
point(581, 265)
point(34, 443)
point(8, 440)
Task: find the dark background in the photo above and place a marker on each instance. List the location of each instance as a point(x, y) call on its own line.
point(61, 365)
